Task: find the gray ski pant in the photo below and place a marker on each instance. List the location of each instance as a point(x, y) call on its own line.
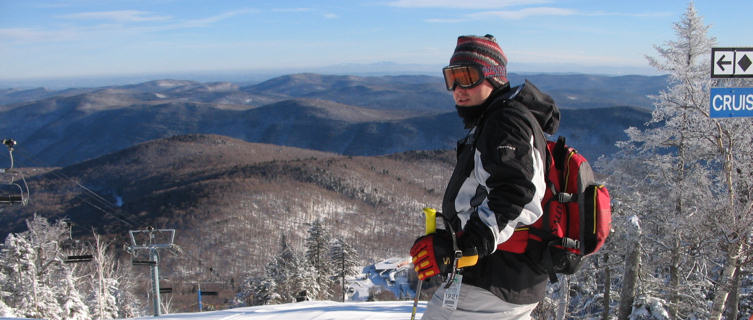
point(476, 303)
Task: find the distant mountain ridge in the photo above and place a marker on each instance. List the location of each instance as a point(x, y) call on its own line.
point(342, 114)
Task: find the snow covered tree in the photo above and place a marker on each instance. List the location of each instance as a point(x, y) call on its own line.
point(34, 272)
point(73, 305)
point(288, 278)
point(345, 260)
point(105, 280)
point(6, 311)
point(631, 270)
point(693, 184)
point(129, 304)
point(680, 155)
point(317, 255)
point(720, 146)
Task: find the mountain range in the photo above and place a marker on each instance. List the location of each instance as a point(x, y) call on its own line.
point(342, 114)
point(234, 168)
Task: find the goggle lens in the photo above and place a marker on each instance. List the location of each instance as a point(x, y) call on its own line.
point(463, 76)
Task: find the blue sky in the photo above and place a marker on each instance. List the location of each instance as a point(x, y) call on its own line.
point(73, 38)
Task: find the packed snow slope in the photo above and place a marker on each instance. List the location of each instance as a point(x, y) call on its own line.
point(310, 310)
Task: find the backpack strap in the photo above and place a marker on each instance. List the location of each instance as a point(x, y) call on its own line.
point(548, 261)
point(560, 154)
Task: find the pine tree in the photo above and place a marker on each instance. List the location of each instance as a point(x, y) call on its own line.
point(345, 261)
point(694, 171)
point(317, 255)
point(6, 311)
point(73, 306)
point(288, 278)
point(34, 271)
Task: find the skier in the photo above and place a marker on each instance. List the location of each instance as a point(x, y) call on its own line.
point(497, 184)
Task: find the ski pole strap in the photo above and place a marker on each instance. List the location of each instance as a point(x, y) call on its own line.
point(458, 255)
point(459, 260)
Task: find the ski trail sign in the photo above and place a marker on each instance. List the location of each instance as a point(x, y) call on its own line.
point(732, 62)
point(731, 102)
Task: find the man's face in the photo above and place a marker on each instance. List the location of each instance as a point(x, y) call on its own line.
point(473, 96)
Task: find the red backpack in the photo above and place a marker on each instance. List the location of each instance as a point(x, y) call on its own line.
point(577, 215)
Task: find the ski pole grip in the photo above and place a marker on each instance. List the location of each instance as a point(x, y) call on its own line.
point(431, 220)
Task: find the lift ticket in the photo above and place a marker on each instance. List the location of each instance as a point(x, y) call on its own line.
point(452, 294)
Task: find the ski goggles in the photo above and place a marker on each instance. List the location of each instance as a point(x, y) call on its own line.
point(464, 76)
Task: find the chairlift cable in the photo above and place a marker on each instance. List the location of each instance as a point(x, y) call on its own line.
point(87, 191)
point(62, 176)
point(97, 198)
point(122, 219)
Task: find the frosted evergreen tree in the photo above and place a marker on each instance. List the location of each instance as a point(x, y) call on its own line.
point(19, 271)
point(41, 284)
point(291, 276)
point(73, 306)
point(696, 181)
point(129, 305)
point(265, 291)
point(345, 261)
point(6, 311)
point(248, 294)
point(317, 255)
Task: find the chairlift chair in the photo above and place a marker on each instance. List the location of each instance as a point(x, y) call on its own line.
point(15, 190)
point(78, 258)
point(76, 252)
point(142, 258)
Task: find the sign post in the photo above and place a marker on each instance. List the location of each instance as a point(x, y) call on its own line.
point(731, 63)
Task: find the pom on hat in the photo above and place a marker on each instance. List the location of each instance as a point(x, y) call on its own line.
point(484, 52)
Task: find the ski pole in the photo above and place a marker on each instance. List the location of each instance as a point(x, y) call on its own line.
point(430, 227)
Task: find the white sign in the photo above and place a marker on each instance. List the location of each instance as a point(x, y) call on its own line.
point(732, 62)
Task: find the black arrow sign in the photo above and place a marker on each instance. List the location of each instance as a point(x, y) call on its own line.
point(721, 62)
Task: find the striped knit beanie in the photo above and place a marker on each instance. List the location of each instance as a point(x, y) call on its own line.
point(484, 52)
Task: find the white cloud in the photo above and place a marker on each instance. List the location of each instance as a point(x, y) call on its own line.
point(330, 16)
point(459, 4)
point(448, 20)
point(507, 14)
point(656, 14)
point(525, 13)
point(216, 18)
point(33, 35)
point(292, 10)
point(118, 16)
point(116, 24)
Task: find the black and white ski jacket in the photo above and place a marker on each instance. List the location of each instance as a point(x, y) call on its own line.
point(499, 178)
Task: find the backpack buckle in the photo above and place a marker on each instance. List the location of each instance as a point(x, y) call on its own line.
point(570, 243)
point(564, 197)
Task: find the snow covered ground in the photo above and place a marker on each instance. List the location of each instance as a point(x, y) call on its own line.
point(310, 310)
